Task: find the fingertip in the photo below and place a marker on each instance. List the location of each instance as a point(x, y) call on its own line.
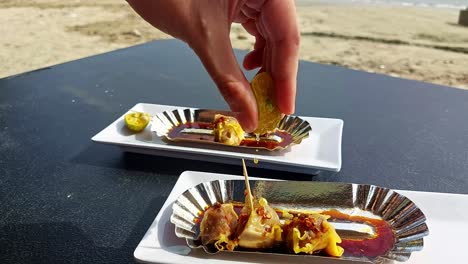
point(286, 109)
point(241, 100)
point(248, 124)
point(286, 96)
point(252, 60)
point(249, 118)
point(247, 64)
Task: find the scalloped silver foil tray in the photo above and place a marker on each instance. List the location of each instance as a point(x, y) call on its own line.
point(183, 119)
point(406, 220)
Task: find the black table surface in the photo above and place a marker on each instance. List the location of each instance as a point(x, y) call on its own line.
point(64, 198)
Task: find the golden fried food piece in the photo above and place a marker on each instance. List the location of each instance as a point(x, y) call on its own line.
point(228, 130)
point(268, 113)
point(258, 227)
point(218, 224)
point(310, 233)
point(137, 121)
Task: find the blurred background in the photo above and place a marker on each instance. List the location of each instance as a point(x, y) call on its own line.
point(413, 39)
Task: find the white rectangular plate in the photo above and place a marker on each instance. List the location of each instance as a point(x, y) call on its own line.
point(320, 151)
point(447, 219)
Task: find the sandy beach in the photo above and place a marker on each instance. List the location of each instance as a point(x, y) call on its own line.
point(417, 43)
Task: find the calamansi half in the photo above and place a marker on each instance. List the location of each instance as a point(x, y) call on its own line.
point(137, 121)
point(269, 115)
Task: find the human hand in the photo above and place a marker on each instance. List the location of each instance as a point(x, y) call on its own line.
point(205, 26)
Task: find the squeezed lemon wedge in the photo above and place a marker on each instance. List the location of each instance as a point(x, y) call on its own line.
point(268, 113)
point(137, 121)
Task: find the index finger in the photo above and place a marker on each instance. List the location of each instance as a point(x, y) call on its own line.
point(279, 21)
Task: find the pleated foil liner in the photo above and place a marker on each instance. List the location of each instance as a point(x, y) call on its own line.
point(164, 122)
point(404, 217)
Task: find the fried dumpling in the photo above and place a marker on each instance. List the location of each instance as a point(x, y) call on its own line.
point(228, 130)
point(258, 227)
point(218, 225)
point(309, 233)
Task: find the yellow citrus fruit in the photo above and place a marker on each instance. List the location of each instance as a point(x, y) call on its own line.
point(268, 113)
point(137, 121)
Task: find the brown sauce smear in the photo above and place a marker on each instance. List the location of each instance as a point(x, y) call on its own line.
point(373, 247)
point(176, 133)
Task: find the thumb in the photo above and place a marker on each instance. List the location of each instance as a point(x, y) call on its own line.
point(216, 53)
